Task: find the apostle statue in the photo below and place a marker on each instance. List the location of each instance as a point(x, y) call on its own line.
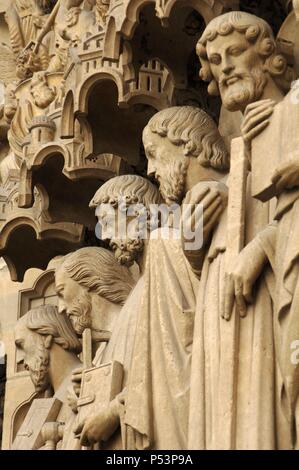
point(185, 151)
point(48, 346)
point(239, 58)
point(129, 197)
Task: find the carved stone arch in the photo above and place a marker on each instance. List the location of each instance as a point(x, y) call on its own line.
point(111, 118)
point(47, 151)
point(15, 266)
point(33, 227)
point(43, 288)
point(26, 185)
point(87, 86)
point(67, 117)
point(82, 130)
point(132, 13)
point(19, 415)
point(208, 9)
point(112, 40)
point(11, 225)
point(70, 174)
point(149, 100)
point(11, 200)
point(42, 239)
point(151, 40)
point(126, 14)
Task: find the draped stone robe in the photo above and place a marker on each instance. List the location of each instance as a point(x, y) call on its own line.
point(120, 349)
point(254, 397)
point(159, 381)
point(283, 254)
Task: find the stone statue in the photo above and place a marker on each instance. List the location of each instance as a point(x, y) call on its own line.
point(45, 339)
point(26, 19)
point(41, 41)
point(184, 149)
point(239, 58)
point(91, 288)
point(277, 246)
point(72, 21)
point(129, 194)
point(102, 7)
point(176, 321)
point(41, 92)
point(121, 193)
point(26, 115)
point(48, 346)
point(8, 110)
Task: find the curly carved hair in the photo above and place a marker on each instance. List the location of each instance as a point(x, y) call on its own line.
point(97, 270)
point(195, 130)
point(257, 31)
point(133, 189)
point(45, 320)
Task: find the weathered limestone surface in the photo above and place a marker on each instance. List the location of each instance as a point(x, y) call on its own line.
point(149, 187)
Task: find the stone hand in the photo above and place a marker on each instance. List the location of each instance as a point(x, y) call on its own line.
point(211, 197)
point(240, 281)
point(77, 379)
point(72, 399)
point(99, 427)
point(256, 119)
point(286, 176)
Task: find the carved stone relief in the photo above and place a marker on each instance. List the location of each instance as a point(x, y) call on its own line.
point(149, 177)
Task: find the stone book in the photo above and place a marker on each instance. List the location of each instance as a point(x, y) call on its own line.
point(278, 142)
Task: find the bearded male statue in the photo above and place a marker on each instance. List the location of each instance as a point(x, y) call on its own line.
point(43, 339)
point(129, 197)
point(236, 409)
point(25, 18)
point(185, 153)
point(91, 288)
point(276, 247)
point(48, 346)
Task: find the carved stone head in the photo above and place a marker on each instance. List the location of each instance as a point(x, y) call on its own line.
point(239, 58)
point(42, 93)
point(172, 137)
point(35, 334)
point(126, 197)
point(10, 104)
point(85, 273)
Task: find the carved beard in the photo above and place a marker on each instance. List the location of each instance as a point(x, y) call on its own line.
point(39, 369)
point(247, 90)
point(172, 184)
point(126, 251)
point(80, 314)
